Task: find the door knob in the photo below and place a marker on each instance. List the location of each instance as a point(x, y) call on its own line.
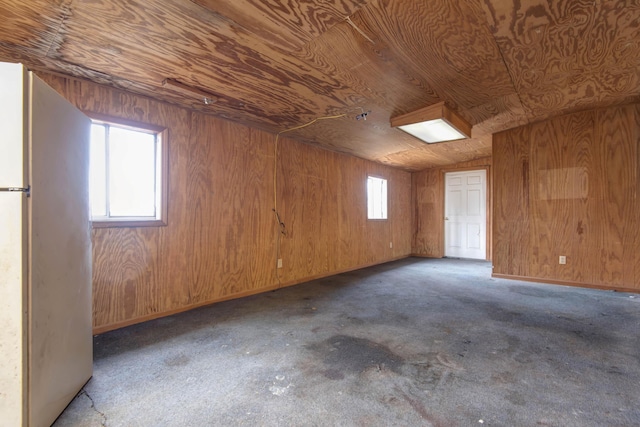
point(446, 218)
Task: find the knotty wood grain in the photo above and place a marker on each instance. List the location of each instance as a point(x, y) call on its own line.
point(589, 214)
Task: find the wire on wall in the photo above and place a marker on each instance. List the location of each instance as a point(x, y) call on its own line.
point(282, 230)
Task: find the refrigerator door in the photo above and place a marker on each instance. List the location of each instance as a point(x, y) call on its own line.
point(13, 247)
point(60, 321)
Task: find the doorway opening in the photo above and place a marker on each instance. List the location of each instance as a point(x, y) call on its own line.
point(465, 216)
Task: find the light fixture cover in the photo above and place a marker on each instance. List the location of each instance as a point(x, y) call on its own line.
point(435, 123)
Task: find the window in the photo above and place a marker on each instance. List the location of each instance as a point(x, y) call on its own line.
point(127, 173)
point(376, 198)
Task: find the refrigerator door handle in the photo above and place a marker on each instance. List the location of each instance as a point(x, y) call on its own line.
point(26, 190)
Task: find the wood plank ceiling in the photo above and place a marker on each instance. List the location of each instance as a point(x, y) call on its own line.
point(276, 64)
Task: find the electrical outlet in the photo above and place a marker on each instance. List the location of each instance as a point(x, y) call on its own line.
point(279, 262)
point(562, 260)
point(391, 245)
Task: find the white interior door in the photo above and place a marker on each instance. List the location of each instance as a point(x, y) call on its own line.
point(60, 329)
point(465, 225)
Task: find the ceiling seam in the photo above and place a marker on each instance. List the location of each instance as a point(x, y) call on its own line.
point(66, 12)
point(513, 83)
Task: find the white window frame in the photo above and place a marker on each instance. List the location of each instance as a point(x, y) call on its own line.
point(377, 204)
point(162, 172)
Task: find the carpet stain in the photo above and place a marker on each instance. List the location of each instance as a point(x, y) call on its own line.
point(501, 315)
point(333, 374)
point(530, 291)
point(516, 398)
point(419, 408)
point(177, 360)
point(504, 378)
point(432, 371)
point(347, 354)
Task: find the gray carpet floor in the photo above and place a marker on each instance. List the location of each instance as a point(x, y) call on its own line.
point(417, 342)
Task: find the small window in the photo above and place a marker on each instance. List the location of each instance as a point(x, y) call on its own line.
point(376, 198)
point(127, 173)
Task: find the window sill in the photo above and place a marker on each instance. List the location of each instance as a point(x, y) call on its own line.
point(128, 223)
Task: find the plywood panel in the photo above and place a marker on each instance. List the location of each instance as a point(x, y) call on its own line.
point(583, 225)
point(124, 285)
point(420, 33)
point(617, 154)
point(548, 225)
point(220, 241)
point(511, 202)
point(401, 222)
point(229, 192)
point(566, 55)
point(582, 176)
point(334, 210)
point(304, 207)
point(352, 210)
point(287, 25)
point(32, 25)
point(276, 64)
point(427, 187)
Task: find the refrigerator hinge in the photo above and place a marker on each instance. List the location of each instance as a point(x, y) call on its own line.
point(26, 190)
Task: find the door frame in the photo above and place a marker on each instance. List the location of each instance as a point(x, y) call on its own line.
point(489, 193)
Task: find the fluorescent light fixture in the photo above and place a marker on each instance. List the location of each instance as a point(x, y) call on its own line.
point(433, 131)
point(435, 123)
point(206, 97)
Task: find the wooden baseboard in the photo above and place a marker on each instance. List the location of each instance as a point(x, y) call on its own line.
point(117, 325)
point(333, 273)
point(565, 283)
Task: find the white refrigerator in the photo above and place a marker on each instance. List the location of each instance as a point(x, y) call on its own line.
point(46, 351)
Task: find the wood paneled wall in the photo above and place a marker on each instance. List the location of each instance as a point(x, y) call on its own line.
point(428, 207)
point(323, 203)
point(220, 241)
point(570, 186)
